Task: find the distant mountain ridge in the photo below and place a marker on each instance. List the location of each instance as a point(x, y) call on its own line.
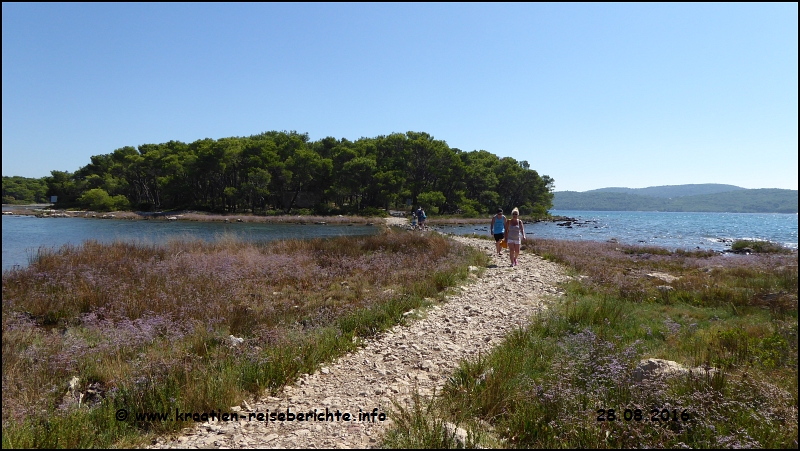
point(708, 197)
point(674, 190)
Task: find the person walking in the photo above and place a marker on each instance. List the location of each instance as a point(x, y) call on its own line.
point(515, 233)
point(497, 228)
point(413, 220)
point(421, 217)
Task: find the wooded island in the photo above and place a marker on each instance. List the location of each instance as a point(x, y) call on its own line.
point(285, 171)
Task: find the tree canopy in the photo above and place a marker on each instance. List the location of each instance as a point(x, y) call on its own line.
point(285, 171)
point(23, 190)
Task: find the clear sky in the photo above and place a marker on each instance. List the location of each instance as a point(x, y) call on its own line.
point(593, 95)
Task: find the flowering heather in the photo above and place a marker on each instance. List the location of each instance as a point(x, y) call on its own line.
point(731, 318)
point(144, 321)
point(705, 277)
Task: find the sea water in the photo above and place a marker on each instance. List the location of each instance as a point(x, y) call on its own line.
point(23, 235)
point(672, 230)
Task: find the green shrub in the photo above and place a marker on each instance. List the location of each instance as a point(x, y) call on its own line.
point(372, 211)
point(98, 199)
point(471, 208)
point(431, 200)
point(758, 246)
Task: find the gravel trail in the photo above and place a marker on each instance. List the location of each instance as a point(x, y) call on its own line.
point(422, 354)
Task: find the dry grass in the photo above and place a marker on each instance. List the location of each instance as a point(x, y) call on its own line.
point(546, 386)
point(148, 326)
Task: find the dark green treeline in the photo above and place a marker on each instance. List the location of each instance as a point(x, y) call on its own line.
point(22, 190)
point(285, 171)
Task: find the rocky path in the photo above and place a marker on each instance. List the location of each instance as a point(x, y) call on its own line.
point(422, 355)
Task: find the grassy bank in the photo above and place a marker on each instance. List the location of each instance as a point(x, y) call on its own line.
point(554, 385)
point(195, 326)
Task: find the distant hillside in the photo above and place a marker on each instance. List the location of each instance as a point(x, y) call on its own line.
point(669, 191)
point(736, 200)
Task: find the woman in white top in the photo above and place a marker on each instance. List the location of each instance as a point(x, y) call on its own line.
point(515, 233)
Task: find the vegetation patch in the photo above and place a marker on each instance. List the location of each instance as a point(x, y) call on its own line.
point(22, 190)
point(576, 378)
point(759, 246)
point(92, 329)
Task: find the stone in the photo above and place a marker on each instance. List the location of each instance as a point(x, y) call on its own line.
point(662, 276)
point(235, 341)
point(456, 433)
point(654, 368)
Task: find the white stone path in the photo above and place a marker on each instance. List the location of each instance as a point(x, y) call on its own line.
point(422, 354)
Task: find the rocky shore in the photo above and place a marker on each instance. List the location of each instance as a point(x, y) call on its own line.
point(419, 356)
point(191, 216)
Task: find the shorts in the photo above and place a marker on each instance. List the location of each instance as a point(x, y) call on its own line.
point(499, 236)
point(519, 241)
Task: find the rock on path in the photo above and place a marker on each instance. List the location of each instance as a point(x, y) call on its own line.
point(422, 354)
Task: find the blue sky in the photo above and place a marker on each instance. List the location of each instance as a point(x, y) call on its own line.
point(593, 95)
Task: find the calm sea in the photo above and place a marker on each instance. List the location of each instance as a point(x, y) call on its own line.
point(665, 229)
point(23, 235)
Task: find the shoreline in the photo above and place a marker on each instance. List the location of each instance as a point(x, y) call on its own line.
point(192, 216)
point(395, 218)
point(42, 211)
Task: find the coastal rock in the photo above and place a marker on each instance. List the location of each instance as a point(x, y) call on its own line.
point(73, 396)
point(654, 368)
point(457, 434)
point(89, 397)
point(664, 277)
